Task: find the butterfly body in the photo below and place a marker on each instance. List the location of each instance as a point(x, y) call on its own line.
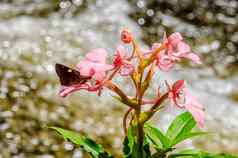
point(69, 76)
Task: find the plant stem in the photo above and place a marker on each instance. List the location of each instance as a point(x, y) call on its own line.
point(125, 120)
point(140, 134)
point(139, 125)
point(155, 107)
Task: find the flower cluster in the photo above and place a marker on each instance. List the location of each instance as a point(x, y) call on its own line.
point(176, 50)
point(140, 66)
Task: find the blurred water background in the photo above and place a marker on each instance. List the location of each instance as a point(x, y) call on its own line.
point(35, 34)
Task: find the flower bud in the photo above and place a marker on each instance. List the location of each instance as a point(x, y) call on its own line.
point(126, 36)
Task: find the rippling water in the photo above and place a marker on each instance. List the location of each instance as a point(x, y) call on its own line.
point(30, 45)
point(209, 25)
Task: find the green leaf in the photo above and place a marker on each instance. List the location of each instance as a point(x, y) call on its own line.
point(186, 136)
point(208, 155)
point(162, 153)
point(127, 152)
point(131, 148)
point(183, 155)
point(128, 144)
point(87, 144)
point(146, 148)
point(180, 126)
point(187, 153)
point(156, 136)
point(193, 153)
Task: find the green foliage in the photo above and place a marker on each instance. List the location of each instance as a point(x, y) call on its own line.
point(129, 144)
point(179, 130)
point(158, 139)
point(161, 153)
point(146, 148)
point(191, 153)
point(181, 127)
point(131, 148)
point(187, 136)
point(94, 149)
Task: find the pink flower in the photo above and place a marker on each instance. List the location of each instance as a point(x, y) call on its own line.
point(97, 86)
point(120, 62)
point(66, 90)
point(163, 60)
point(178, 49)
point(91, 86)
point(95, 64)
point(181, 98)
point(126, 36)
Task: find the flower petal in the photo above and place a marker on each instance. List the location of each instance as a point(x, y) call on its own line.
point(95, 62)
point(97, 55)
point(175, 38)
point(85, 68)
point(126, 69)
point(183, 48)
point(119, 56)
point(66, 90)
point(179, 85)
point(194, 57)
point(189, 102)
point(195, 109)
point(164, 62)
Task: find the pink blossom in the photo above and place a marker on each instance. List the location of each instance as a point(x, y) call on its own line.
point(66, 90)
point(178, 49)
point(173, 39)
point(126, 36)
point(163, 60)
point(175, 50)
point(95, 64)
point(179, 95)
point(119, 57)
point(91, 86)
point(120, 62)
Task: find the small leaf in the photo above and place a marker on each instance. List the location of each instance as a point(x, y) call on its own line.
point(193, 153)
point(146, 148)
point(183, 155)
point(131, 147)
point(128, 144)
point(155, 136)
point(186, 136)
point(187, 153)
point(158, 155)
point(161, 153)
point(181, 125)
point(126, 148)
point(208, 155)
point(87, 144)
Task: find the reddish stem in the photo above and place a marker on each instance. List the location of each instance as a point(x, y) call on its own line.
point(159, 101)
point(125, 120)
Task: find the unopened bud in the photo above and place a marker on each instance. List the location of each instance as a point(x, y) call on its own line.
point(126, 36)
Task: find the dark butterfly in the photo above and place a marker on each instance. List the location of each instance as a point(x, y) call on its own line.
point(69, 76)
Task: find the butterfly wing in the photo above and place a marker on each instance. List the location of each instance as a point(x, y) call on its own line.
point(69, 76)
